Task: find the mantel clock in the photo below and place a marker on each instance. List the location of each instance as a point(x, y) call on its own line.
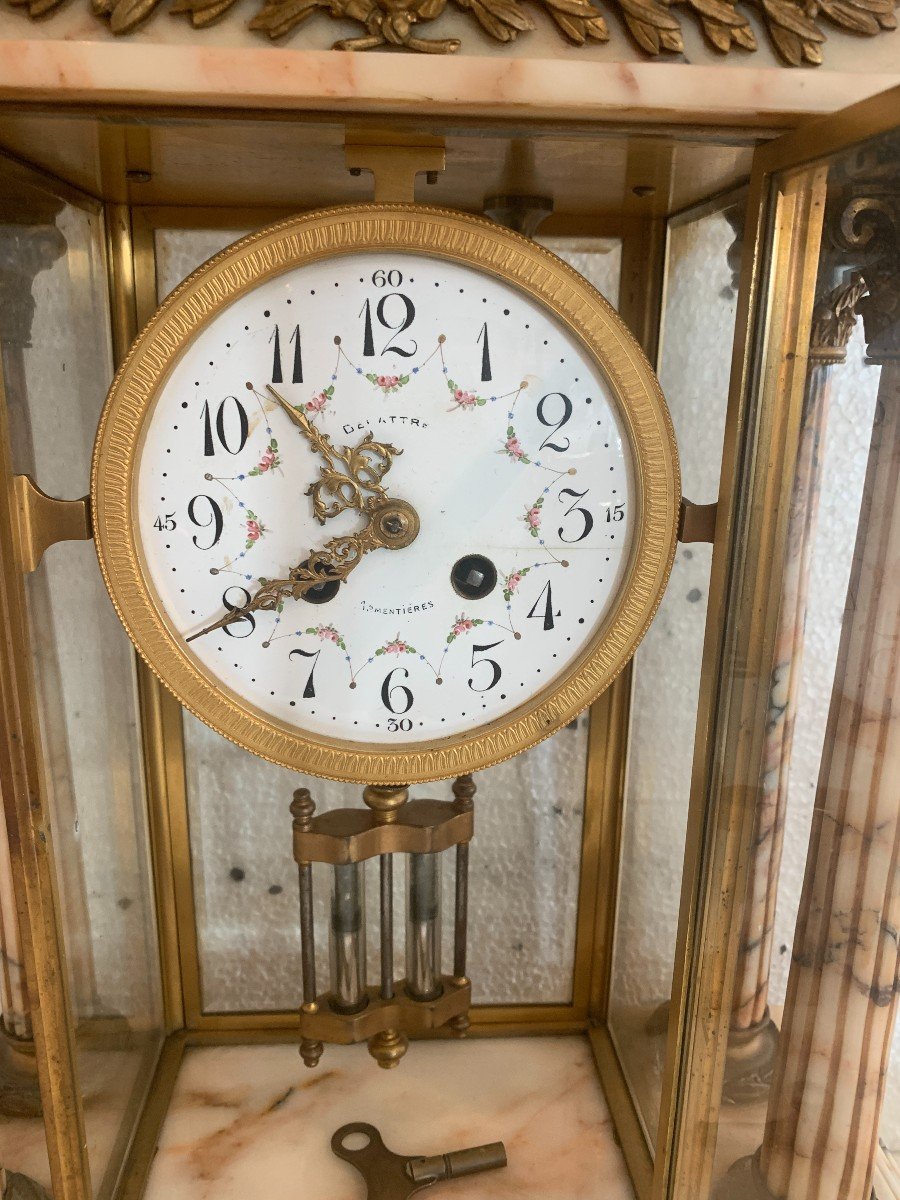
point(387, 494)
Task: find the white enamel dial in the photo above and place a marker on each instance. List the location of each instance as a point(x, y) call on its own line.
point(514, 456)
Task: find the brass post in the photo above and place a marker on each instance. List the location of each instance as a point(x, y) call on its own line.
point(302, 810)
point(464, 793)
point(389, 1046)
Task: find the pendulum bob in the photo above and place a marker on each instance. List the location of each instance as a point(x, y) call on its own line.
point(423, 927)
point(385, 1015)
point(347, 940)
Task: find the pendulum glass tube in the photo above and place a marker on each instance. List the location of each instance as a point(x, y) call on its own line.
point(423, 927)
point(348, 939)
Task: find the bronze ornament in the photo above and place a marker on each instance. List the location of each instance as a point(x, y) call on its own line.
point(795, 30)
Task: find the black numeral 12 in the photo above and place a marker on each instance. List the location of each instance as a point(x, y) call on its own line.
point(277, 370)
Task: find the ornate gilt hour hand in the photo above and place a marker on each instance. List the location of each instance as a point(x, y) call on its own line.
point(351, 476)
point(392, 525)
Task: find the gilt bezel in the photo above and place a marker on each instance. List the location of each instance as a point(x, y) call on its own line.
point(439, 233)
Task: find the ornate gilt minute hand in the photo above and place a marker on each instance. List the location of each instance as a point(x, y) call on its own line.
point(392, 525)
point(356, 482)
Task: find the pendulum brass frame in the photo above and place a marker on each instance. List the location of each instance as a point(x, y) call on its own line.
point(391, 824)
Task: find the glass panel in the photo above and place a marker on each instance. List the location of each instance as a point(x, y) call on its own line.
point(814, 993)
point(57, 367)
point(524, 868)
point(695, 359)
point(523, 875)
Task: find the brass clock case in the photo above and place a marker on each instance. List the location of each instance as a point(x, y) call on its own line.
point(439, 233)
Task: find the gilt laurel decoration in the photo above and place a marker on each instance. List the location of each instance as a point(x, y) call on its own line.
point(796, 27)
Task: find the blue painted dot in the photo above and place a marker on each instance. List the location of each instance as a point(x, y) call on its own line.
point(445, 370)
point(359, 370)
point(415, 370)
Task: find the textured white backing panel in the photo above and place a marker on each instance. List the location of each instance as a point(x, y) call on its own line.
point(525, 858)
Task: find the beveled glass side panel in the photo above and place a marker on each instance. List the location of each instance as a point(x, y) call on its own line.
point(525, 858)
point(809, 1101)
point(695, 357)
point(57, 367)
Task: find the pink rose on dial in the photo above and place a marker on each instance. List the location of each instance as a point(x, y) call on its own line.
point(462, 625)
point(253, 531)
point(397, 646)
point(317, 403)
point(514, 447)
point(513, 581)
point(533, 517)
point(465, 399)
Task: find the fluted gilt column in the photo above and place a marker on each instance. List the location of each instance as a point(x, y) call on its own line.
point(821, 1131)
point(753, 1035)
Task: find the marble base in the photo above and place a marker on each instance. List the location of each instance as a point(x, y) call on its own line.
point(246, 1120)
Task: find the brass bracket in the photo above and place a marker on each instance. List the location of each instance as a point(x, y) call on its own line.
point(42, 521)
point(697, 522)
point(348, 835)
point(418, 1017)
point(395, 160)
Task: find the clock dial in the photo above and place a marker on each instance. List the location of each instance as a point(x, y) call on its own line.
point(385, 493)
point(509, 447)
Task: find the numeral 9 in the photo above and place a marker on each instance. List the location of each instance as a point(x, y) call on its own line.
point(215, 519)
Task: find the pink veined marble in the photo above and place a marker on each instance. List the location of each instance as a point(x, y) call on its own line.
point(822, 1122)
point(270, 77)
point(249, 1117)
point(14, 1009)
